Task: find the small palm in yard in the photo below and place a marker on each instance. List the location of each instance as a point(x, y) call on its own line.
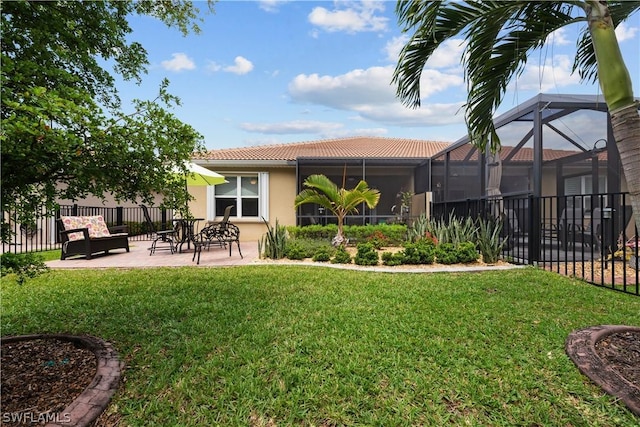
point(339, 201)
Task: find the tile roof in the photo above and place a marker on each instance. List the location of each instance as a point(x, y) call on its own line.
point(354, 147)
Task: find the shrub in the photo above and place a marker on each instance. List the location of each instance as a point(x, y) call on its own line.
point(390, 258)
point(446, 253)
point(394, 233)
point(420, 252)
point(466, 252)
point(366, 255)
point(296, 249)
point(323, 253)
point(341, 256)
point(28, 265)
point(274, 242)
point(378, 239)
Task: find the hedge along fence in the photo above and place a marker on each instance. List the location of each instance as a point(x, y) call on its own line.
point(395, 234)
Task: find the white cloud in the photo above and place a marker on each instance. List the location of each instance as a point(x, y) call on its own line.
point(559, 38)
point(553, 74)
point(350, 17)
point(241, 66)
point(624, 32)
point(212, 66)
point(370, 95)
point(291, 127)
point(426, 115)
point(358, 89)
point(179, 62)
point(448, 54)
point(271, 5)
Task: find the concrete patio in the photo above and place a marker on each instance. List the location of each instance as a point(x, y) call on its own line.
point(139, 257)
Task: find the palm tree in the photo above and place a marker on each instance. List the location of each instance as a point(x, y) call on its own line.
point(340, 201)
point(500, 35)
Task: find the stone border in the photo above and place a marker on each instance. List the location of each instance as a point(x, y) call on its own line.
point(88, 406)
point(581, 348)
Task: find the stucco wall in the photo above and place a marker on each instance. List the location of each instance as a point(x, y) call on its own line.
point(282, 192)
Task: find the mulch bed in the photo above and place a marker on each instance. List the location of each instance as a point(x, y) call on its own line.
point(41, 377)
point(621, 352)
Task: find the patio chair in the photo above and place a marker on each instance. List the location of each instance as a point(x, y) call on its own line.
point(573, 228)
point(169, 236)
point(221, 233)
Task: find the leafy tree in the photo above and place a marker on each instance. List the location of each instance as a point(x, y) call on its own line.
point(339, 201)
point(500, 35)
point(65, 134)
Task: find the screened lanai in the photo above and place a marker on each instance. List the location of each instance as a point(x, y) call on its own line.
point(391, 176)
point(551, 145)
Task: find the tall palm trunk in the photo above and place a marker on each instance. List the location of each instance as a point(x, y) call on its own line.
point(618, 93)
point(626, 131)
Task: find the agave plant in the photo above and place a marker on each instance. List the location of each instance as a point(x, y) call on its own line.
point(490, 240)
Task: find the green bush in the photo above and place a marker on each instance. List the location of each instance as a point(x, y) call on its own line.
point(316, 231)
point(135, 228)
point(378, 240)
point(366, 255)
point(466, 252)
point(390, 258)
point(341, 256)
point(295, 249)
point(323, 253)
point(395, 234)
point(420, 252)
point(27, 265)
point(446, 253)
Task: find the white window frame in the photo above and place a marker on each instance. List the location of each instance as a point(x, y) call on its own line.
point(263, 196)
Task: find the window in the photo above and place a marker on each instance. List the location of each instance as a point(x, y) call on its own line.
point(247, 192)
point(582, 186)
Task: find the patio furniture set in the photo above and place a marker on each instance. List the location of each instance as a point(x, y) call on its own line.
point(88, 235)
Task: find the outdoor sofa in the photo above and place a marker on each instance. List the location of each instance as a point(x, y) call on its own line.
point(88, 235)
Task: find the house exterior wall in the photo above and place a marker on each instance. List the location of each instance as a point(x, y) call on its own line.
point(282, 192)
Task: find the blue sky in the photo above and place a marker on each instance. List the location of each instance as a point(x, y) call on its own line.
point(269, 72)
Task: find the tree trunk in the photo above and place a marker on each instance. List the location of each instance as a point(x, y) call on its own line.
point(617, 90)
point(626, 130)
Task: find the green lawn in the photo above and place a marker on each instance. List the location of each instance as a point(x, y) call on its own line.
point(284, 345)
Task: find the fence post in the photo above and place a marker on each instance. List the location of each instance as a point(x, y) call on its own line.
point(119, 215)
point(163, 218)
point(534, 229)
point(74, 210)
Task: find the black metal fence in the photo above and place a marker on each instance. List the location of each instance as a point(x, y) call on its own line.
point(590, 237)
point(43, 235)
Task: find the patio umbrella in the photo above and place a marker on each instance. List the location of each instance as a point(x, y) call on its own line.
point(198, 176)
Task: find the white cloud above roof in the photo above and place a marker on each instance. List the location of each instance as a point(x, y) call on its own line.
point(554, 74)
point(179, 62)
point(291, 127)
point(362, 87)
point(350, 17)
point(240, 66)
point(625, 32)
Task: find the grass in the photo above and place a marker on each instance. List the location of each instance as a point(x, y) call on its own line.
point(290, 345)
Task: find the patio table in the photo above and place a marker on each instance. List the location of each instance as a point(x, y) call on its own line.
point(187, 227)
